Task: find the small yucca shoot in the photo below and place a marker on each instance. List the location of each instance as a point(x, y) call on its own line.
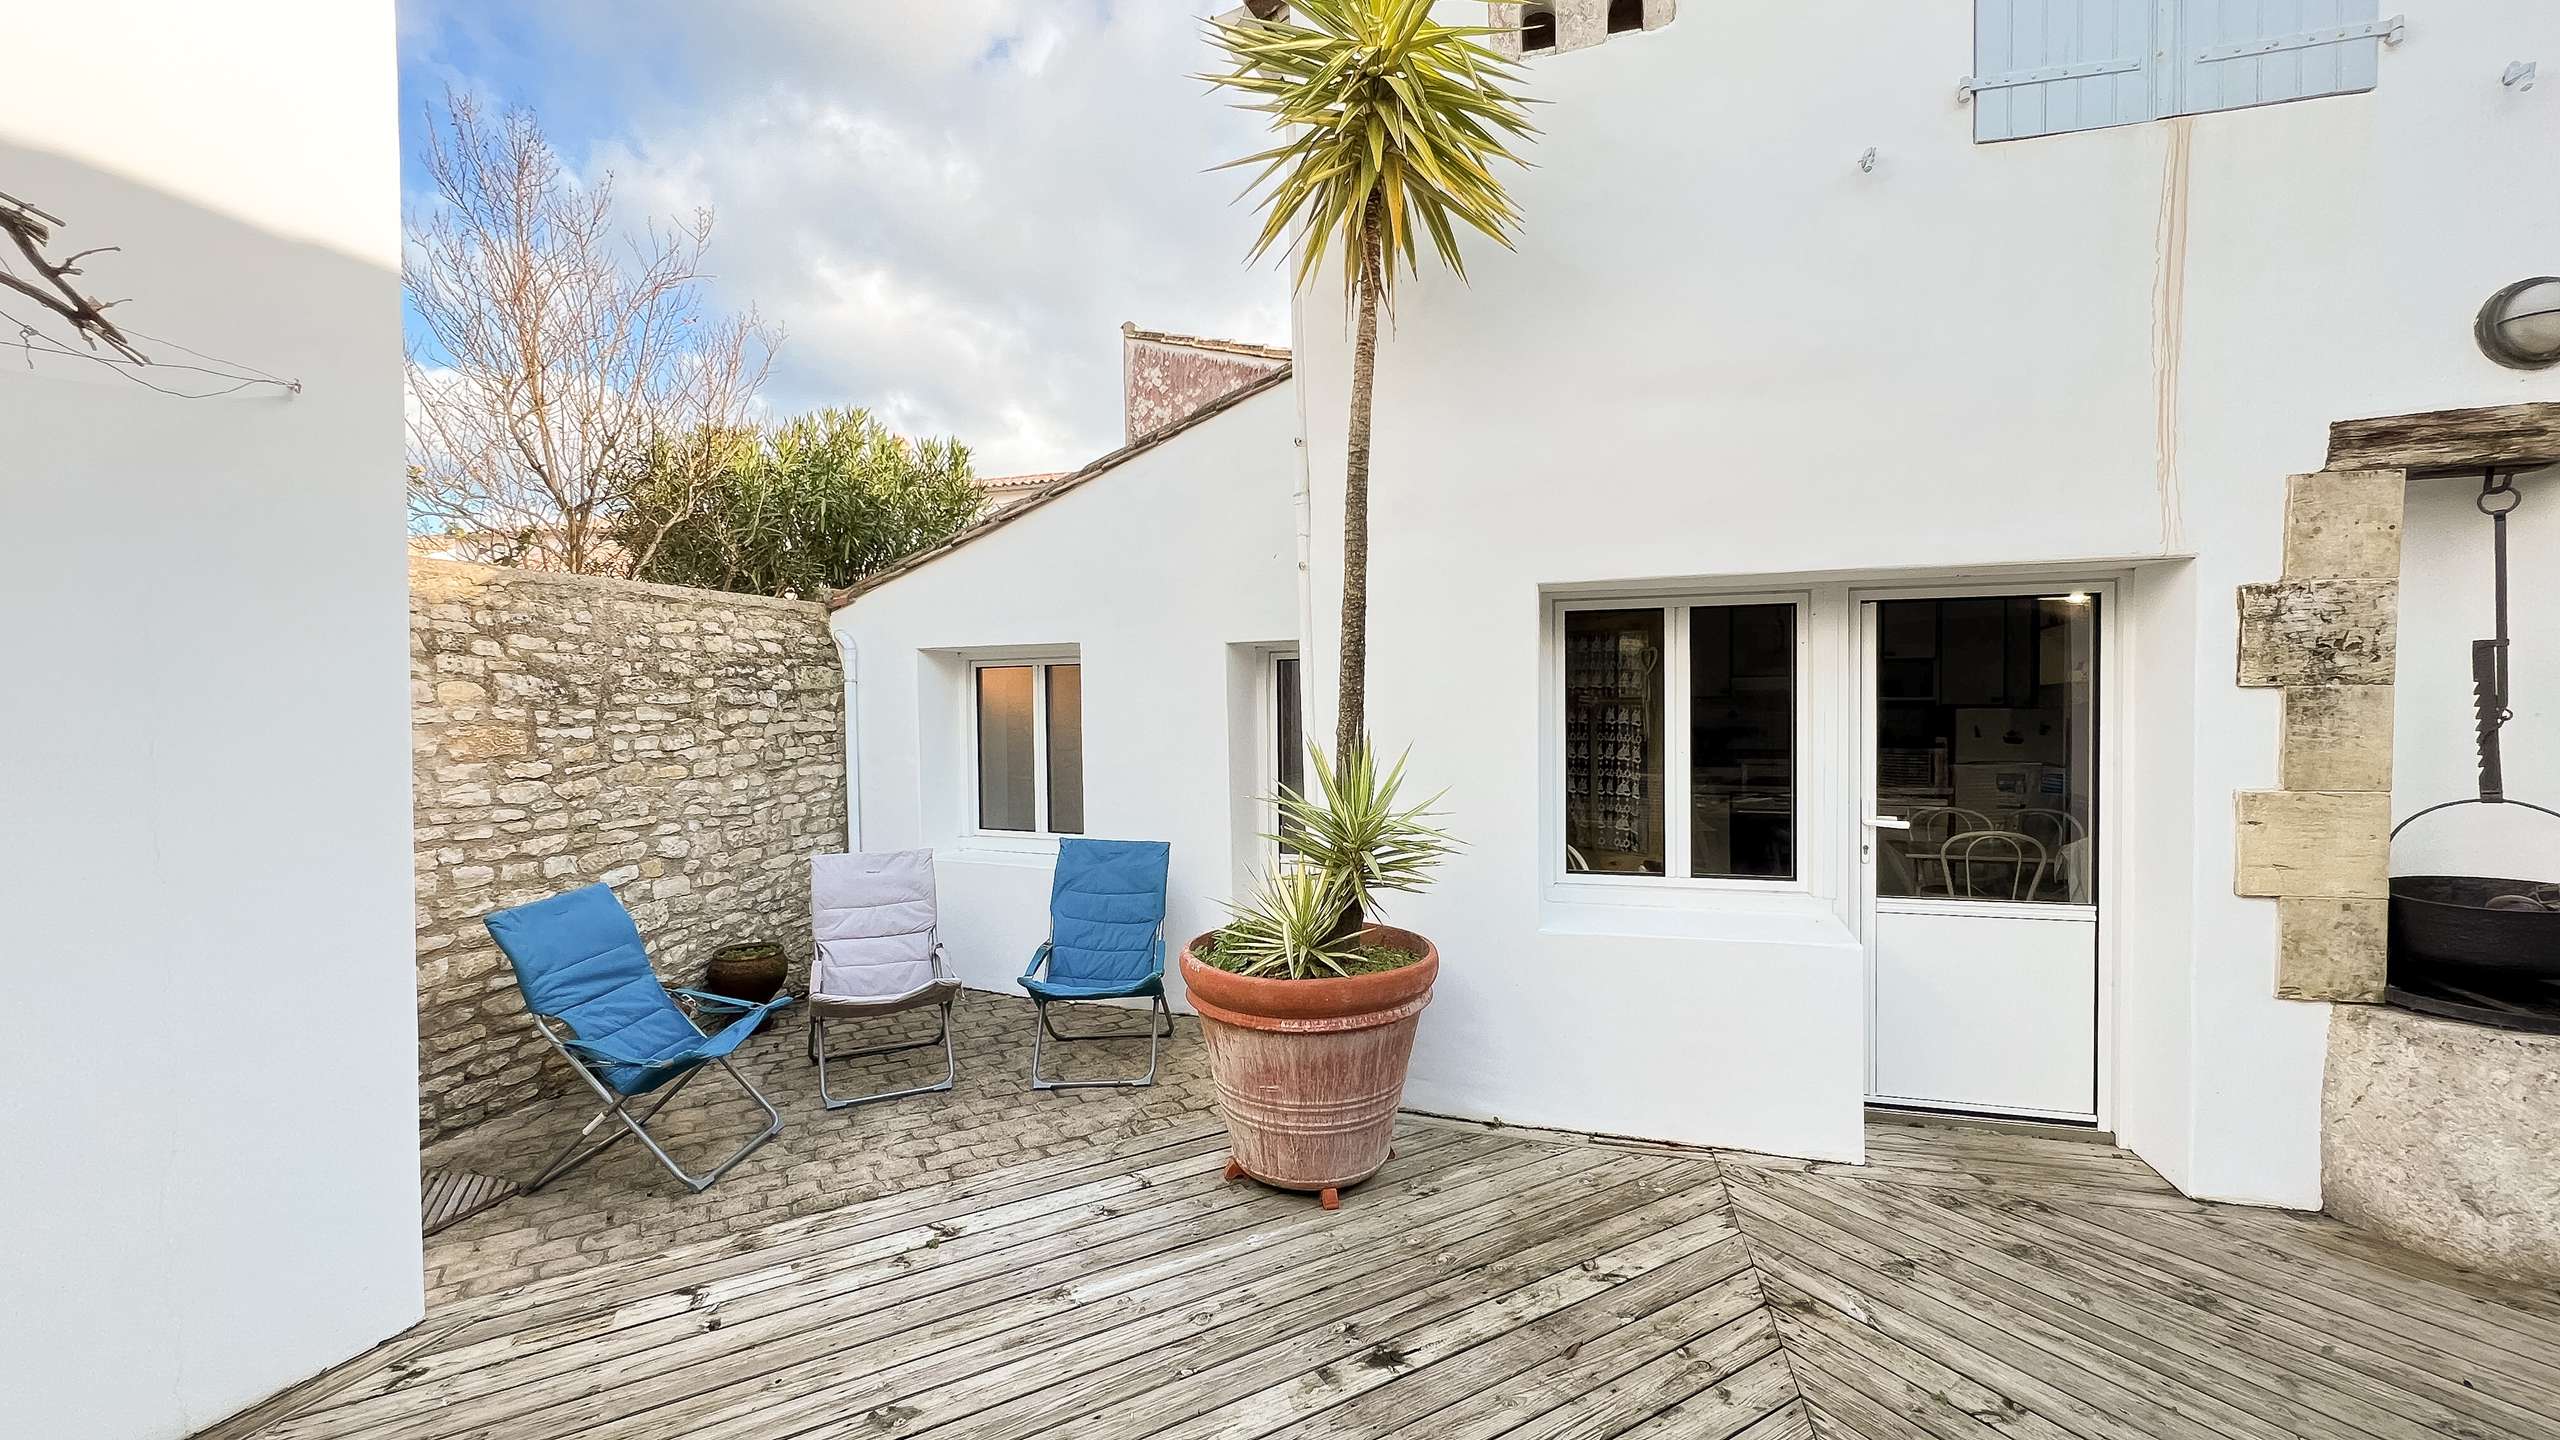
point(1285, 928)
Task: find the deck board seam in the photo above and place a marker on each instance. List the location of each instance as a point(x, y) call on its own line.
point(2202, 1365)
point(1760, 1277)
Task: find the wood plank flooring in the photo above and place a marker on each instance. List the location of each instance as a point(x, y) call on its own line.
point(1492, 1283)
point(449, 1197)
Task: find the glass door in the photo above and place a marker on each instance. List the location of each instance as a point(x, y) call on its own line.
point(1979, 850)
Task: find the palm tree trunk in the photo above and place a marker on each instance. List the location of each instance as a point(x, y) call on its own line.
point(1351, 711)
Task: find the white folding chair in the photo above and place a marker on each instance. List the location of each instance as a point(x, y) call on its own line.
point(877, 955)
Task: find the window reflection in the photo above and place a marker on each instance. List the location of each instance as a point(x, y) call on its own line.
point(1066, 748)
point(1007, 793)
point(1614, 742)
point(1987, 744)
point(1288, 739)
point(1742, 662)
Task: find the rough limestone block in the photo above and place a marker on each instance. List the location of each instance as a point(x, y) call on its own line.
point(2331, 949)
point(2314, 843)
point(478, 742)
point(2344, 525)
point(2318, 632)
point(2443, 1136)
point(2337, 737)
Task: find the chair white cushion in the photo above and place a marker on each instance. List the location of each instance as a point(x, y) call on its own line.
point(873, 916)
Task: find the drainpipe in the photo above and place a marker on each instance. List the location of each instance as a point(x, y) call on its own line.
point(852, 739)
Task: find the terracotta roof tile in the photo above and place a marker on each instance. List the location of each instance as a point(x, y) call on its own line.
point(1129, 329)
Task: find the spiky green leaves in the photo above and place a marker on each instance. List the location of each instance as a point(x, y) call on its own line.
point(1353, 829)
point(1285, 928)
point(1388, 118)
point(1354, 843)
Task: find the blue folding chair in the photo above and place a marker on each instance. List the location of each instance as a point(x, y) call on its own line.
point(1106, 942)
point(588, 985)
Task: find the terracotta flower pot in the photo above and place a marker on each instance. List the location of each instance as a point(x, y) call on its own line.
point(1310, 1072)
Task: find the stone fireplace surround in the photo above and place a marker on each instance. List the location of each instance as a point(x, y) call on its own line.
point(2441, 1135)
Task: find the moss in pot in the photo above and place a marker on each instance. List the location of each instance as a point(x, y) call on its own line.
point(1309, 1006)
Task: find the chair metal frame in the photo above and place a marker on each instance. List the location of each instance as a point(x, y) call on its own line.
point(818, 1056)
point(1159, 1027)
point(617, 1106)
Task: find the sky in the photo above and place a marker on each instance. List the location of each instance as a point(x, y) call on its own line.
point(948, 206)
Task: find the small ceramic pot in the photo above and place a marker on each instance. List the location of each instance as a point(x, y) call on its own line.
point(752, 970)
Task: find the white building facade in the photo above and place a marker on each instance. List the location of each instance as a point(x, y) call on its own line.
point(1809, 562)
point(1110, 657)
point(211, 1189)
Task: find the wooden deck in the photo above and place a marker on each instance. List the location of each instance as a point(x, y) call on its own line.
point(1963, 1285)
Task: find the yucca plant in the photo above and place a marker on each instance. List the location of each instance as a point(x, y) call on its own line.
point(1353, 844)
point(1287, 928)
point(1393, 124)
point(1353, 830)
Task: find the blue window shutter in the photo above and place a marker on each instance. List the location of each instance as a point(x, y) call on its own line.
point(2232, 53)
point(2041, 67)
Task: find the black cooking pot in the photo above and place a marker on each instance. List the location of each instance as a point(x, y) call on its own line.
point(2454, 921)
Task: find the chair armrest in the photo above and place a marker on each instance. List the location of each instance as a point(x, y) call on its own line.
point(707, 998)
point(608, 1055)
point(778, 1002)
point(1039, 959)
point(1159, 968)
point(577, 1049)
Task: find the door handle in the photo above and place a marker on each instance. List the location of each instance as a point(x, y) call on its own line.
point(1887, 822)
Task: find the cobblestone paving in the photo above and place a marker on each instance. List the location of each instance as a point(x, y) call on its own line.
point(623, 1204)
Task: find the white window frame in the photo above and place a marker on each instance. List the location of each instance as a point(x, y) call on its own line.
point(1677, 839)
point(976, 828)
point(1266, 765)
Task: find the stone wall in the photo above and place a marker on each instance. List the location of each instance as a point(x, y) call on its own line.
point(685, 747)
point(2440, 1136)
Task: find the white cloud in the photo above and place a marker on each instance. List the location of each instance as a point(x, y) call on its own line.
point(950, 206)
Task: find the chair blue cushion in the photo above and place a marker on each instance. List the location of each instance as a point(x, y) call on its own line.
point(1152, 984)
point(1106, 918)
point(579, 960)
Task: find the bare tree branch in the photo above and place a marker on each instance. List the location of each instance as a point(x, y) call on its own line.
point(567, 357)
point(31, 229)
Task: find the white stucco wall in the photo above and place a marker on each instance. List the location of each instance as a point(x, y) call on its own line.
point(2447, 601)
point(210, 1189)
point(1161, 576)
point(1722, 352)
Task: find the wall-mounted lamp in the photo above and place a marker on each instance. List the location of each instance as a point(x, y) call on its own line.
point(2520, 326)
